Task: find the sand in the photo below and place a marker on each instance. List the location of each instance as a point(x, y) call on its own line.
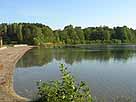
point(8, 60)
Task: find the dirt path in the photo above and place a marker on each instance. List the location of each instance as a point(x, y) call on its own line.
point(8, 59)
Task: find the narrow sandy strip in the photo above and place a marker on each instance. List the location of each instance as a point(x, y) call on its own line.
point(8, 60)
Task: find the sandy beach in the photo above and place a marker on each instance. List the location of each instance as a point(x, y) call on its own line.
point(8, 60)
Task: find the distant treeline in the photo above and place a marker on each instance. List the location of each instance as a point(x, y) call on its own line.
point(39, 34)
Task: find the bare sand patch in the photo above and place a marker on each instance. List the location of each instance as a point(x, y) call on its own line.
point(8, 60)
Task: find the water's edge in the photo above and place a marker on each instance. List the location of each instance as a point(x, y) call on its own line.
point(8, 59)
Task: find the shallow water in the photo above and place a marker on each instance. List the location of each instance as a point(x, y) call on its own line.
point(109, 72)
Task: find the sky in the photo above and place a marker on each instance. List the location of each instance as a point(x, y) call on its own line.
point(59, 13)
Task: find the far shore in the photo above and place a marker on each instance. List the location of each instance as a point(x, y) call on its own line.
point(86, 46)
point(8, 59)
point(54, 45)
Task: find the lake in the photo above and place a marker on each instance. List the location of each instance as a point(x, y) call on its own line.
point(109, 71)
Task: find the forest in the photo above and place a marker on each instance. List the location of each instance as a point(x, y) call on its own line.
point(39, 34)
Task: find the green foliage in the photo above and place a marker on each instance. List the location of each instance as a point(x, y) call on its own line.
point(38, 34)
point(64, 90)
point(116, 41)
point(39, 40)
point(19, 33)
point(107, 42)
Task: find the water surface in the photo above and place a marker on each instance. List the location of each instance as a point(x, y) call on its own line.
point(109, 71)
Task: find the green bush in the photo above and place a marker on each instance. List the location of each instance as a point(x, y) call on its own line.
point(125, 41)
point(107, 41)
point(116, 41)
point(98, 41)
point(64, 90)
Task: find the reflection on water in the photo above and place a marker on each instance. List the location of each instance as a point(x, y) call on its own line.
point(109, 72)
point(42, 56)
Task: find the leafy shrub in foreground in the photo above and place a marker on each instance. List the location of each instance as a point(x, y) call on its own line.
point(64, 90)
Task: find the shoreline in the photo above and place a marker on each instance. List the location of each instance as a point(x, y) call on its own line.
point(89, 46)
point(8, 59)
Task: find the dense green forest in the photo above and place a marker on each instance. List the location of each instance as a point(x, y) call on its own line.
point(39, 34)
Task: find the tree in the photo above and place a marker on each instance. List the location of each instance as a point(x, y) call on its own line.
point(19, 33)
point(48, 34)
point(80, 34)
point(121, 33)
point(31, 32)
point(64, 36)
point(107, 35)
point(57, 35)
point(71, 33)
point(27, 35)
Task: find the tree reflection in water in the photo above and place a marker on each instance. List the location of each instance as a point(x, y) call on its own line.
point(43, 56)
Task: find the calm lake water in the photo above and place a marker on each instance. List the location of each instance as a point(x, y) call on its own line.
point(109, 71)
